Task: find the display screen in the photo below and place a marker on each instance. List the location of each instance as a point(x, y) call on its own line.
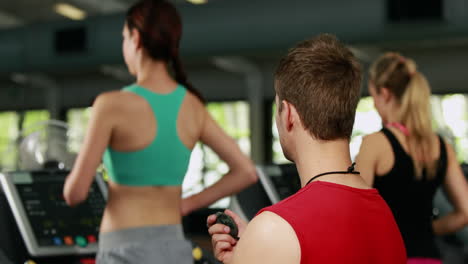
point(54, 223)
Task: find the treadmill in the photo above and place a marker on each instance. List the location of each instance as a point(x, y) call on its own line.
point(276, 182)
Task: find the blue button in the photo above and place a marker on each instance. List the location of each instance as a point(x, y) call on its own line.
point(57, 241)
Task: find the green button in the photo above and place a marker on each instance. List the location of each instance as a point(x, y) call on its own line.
point(81, 241)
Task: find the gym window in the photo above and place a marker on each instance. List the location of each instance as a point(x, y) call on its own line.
point(77, 120)
point(9, 131)
point(205, 167)
point(449, 116)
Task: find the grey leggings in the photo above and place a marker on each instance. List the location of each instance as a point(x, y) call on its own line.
point(145, 245)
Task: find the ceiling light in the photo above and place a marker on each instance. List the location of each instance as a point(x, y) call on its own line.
point(19, 78)
point(69, 11)
point(7, 20)
point(198, 2)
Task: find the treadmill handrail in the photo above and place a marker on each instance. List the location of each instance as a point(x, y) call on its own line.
point(268, 185)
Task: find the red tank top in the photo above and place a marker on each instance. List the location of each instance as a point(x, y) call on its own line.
point(338, 224)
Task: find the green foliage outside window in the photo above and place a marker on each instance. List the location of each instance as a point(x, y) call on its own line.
point(8, 133)
point(34, 117)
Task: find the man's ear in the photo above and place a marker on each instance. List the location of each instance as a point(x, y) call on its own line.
point(294, 118)
point(288, 115)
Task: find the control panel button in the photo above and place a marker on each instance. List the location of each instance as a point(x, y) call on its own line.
point(81, 241)
point(88, 261)
point(91, 239)
point(57, 241)
point(68, 240)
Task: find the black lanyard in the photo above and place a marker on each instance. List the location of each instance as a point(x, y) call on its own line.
point(349, 171)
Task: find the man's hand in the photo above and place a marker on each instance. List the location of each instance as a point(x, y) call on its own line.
point(223, 243)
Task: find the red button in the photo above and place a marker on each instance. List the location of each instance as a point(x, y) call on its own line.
point(68, 240)
point(88, 261)
point(91, 239)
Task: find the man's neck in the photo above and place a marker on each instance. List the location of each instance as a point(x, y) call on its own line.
point(315, 157)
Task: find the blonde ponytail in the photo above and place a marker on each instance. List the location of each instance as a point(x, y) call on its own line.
point(416, 116)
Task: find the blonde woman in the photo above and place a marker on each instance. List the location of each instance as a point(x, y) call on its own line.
point(406, 161)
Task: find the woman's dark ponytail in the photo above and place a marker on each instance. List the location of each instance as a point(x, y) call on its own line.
point(180, 75)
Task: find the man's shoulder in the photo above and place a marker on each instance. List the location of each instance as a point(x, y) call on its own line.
point(271, 238)
point(304, 197)
point(267, 220)
point(323, 199)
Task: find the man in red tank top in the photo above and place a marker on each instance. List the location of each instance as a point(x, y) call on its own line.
point(335, 218)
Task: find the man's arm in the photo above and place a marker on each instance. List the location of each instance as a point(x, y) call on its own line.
point(268, 239)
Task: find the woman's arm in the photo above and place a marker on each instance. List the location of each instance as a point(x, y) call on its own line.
point(456, 188)
point(367, 158)
point(242, 172)
point(96, 140)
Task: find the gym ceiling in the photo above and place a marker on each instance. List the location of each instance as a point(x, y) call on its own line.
point(226, 44)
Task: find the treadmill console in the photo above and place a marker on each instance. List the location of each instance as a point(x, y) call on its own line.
point(48, 226)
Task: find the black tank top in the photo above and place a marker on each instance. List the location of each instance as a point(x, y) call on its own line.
point(411, 199)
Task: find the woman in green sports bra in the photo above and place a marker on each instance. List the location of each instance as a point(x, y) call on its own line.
point(145, 134)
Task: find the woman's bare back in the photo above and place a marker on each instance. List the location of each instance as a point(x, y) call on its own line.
point(136, 127)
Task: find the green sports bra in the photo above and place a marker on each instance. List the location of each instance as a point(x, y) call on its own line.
point(165, 160)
